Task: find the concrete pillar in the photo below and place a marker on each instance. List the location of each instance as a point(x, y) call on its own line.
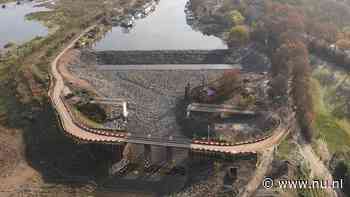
point(117, 152)
point(233, 172)
point(125, 110)
point(169, 154)
point(148, 155)
point(190, 156)
point(188, 111)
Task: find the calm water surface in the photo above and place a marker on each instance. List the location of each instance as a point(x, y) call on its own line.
point(14, 26)
point(165, 28)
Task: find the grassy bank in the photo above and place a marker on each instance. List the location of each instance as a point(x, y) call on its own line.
point(6, 1)
point(24, 81)
point(24, 69)
point(332, 126)
point(85, 120)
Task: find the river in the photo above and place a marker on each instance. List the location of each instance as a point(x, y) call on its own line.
point(165, 28)
point(15, 28)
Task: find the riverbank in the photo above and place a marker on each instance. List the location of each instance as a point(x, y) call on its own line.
point(16, 28)
point(24, 107)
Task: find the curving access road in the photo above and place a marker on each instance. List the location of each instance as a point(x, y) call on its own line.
point(75, 130)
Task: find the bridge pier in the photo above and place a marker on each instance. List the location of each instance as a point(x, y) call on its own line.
point(169, 154)
point(190, 156)
point(148, 156)
point(117, 152)
point(125, 111)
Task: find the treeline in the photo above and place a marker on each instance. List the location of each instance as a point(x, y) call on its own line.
point(327, 28)
point(282, 31)
point(289, 30)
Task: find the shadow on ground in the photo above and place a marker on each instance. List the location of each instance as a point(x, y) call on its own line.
point(58, 157)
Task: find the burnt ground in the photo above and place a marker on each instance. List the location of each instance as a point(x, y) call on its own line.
point(154, 95)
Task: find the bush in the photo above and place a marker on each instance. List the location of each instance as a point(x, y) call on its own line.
point(93, 111)
point(238, 35)
point(236, 17)
point(341, 170)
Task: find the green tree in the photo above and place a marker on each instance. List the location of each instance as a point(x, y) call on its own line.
point(238, 35)
point(237, 18)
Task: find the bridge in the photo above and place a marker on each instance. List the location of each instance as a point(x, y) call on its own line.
point(84, 133)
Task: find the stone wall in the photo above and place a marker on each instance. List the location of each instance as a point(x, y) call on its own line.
point(169, 57)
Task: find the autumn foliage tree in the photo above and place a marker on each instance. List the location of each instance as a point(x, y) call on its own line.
point(229, 82)
point(284, 29)
point(343, 44)
point(279, 19)
point(301, 90)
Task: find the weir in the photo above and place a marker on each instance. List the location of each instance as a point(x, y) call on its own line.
point(163, 57)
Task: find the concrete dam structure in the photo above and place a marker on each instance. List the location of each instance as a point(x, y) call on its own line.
point(220, 56)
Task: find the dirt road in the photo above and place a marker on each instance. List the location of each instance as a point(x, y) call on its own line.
point(260, 172)
point(69, 57)
point(318, 169)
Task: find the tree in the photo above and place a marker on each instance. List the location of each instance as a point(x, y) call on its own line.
point(279, 86)
point(237, 18)
point(230, 79)
point(301, 90)
point(343, 44)
point(238, 35)
point(279, 19)
point(283, 32)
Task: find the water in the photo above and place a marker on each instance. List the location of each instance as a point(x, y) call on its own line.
point(14, 25)
point(165, 28)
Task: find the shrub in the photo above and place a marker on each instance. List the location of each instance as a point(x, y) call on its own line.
point(238, 35)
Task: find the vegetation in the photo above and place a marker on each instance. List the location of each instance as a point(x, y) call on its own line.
point(93, 112)
point(330, 124)
point(303, 173)
point(284, 150)
point(281, 30)
point(237, 18)
point(25, 68)
point(24, 76)
point(6, 1)
point(341, 165)
point(239, 33)
point(223, 88)
point(84, 119)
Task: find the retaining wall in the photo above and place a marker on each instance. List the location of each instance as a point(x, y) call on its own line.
point(221, 56)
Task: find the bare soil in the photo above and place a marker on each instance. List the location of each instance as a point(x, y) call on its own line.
point(10, 154)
